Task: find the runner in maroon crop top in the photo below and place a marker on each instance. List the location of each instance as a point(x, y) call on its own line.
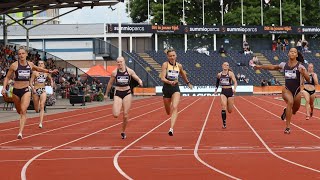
point(122, 95)
point(294, 73)
point(22, 70)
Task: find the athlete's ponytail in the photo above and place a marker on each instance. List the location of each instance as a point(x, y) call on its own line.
point(300, 58)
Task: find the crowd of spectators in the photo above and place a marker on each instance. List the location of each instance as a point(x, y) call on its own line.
point(270, 82)
point(65, 83)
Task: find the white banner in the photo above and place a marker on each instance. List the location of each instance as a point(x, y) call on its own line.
point(205, 90)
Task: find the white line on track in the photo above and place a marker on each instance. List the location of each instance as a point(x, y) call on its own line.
point(195, 151)
point(268, 148)
point(47, 121)
point(116, 157)
point(73, 124)
point(306, 131)
point(139, 156)
point(24, 169)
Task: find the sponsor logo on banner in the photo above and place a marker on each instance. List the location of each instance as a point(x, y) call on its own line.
point(165, 28)
point(278, 29)
point(205, 90)
point(207, 29)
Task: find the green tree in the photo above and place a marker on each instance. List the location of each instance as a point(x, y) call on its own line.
point(251, 15)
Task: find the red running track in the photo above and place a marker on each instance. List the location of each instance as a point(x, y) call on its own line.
point(86, 144)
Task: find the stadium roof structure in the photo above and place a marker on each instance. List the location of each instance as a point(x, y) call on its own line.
point(14, 6)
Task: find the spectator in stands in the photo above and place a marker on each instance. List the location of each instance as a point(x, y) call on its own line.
point(221, 50)
point(277, 82)
point(264, 83)
point(225, 78)
point(294, 73)
point(122, 97)
point(245, 45)
point(272, 82)
point(309, 91)
point(299, 45)
point(171, 92)
point(279, 44)
point(247, 51)
point(274, 45)
point(39, 95)
point(22, 70)
point(238, 76)
point(255, 60)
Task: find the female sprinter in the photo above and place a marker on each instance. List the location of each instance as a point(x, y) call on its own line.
point(38, 86)
point(22, 70)
point(171, 92)
point(294, 73)
point(309, 91)
point(225, 78)
point(122, 96)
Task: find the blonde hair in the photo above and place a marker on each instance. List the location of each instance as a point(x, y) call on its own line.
point(23, 48)
point(167, 51)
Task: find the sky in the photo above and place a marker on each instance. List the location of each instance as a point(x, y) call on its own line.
point(99, 14)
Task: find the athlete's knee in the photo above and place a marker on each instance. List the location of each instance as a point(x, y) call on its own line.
point(125, 115)
point(307, 101)
point(290, 104)
point(174, 107)
point(116, 114)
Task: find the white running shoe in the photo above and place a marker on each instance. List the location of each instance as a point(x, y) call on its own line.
point(19, 136)
point(40, 125)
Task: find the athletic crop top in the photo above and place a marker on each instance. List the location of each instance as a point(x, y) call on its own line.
point(311, 80)
point(23, 73)
point(123, 78)
point(291, 74)
point(172, 71)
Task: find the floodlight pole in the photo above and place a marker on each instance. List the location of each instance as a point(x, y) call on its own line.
point(119, 33)
point(5, 38)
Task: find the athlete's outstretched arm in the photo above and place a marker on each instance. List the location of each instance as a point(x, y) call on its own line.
point(268, 67)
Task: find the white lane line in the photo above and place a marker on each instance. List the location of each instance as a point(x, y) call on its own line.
point(269, 149)
point(47, 121)
point(116, 157)
point(73, 124)
point(195, 151)
point(24, 169)
point(306, 131)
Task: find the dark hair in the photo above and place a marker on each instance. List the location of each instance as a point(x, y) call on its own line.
point(300, 57)
point(169, 50)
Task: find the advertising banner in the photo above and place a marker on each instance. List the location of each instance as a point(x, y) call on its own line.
point(206, 90)
point(207, 29)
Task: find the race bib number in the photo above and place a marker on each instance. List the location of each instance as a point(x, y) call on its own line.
point(290, 74)
point(23, 74)
point(224, 81)
point(123, 79)
point(172, 74)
